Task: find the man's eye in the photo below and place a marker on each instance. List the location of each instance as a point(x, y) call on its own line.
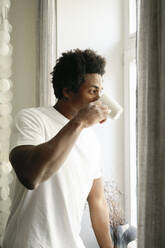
point(93, 91)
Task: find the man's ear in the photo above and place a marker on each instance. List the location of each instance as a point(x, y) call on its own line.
point(67, 93)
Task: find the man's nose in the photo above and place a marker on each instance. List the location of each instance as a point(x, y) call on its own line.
point(97, 96)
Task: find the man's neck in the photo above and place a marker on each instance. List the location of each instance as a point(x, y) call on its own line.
point(65, 109)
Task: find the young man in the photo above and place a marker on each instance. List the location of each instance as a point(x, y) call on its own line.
point(55, 156)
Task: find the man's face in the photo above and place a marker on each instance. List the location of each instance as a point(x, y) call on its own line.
point(89, 91)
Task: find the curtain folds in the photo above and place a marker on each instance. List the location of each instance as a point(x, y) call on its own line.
point(47, 50)
point(151, 123)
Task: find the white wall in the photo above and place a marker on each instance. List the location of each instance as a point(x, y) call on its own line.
point(23, 18)
point(99, 25)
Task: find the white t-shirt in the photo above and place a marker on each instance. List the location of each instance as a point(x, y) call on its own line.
point(50, 216)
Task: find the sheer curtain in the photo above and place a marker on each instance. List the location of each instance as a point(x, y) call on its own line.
point(47, 50)
point(151, 123)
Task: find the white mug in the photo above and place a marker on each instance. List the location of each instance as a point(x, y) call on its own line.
point(113, 105)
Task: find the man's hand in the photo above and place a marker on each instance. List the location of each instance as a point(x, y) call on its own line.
point(95, 112)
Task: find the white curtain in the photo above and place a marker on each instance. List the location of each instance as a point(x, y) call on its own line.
point(151, 123)
point(47, 50)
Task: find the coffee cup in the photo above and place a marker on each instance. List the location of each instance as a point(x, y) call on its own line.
point(115, 108)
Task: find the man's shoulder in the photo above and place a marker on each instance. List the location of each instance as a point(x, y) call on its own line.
point(30, 115)
point(32, 111)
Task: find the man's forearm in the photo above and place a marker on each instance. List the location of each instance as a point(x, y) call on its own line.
point(100, 222)
point(37, 163)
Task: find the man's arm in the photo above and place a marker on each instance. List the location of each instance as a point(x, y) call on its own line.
point(99, 214)
point(35, 164)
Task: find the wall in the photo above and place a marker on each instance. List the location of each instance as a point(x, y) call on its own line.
point(99, 25)
point(23, 18)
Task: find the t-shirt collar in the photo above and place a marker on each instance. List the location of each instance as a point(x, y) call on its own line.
point(61, 118)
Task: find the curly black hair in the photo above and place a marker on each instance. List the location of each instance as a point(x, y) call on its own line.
point(70, 69)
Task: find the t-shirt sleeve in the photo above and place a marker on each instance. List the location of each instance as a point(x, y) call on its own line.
point(99, 170)
point(98, 174)
point(27, 129)
point(98, 165)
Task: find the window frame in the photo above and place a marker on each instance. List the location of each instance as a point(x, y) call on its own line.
point(129, 55)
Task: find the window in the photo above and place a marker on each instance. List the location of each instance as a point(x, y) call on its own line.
point(130, 112)
point(132, 17)
point(133, 202)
